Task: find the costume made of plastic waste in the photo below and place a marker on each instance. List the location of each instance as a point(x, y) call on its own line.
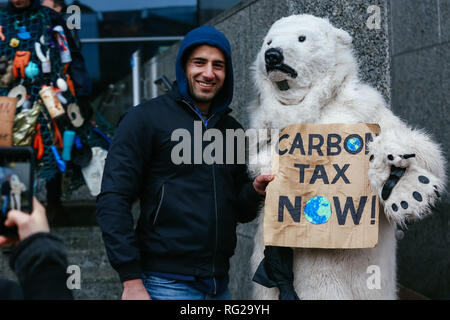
point(34, 62)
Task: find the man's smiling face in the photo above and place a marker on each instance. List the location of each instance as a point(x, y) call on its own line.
point(205, 72)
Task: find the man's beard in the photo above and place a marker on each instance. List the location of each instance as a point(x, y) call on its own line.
point(202, 98)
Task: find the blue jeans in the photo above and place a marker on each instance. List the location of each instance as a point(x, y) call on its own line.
point(168, 289)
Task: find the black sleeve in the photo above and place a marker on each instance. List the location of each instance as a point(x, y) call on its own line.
point(249, 200)
point(40, 264)
point(10, 290)
point(121, 184)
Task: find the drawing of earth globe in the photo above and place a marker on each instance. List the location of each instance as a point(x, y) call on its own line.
point(318, 210)
point(353, 144)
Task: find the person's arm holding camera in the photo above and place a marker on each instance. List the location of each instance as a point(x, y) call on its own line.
point(39, 260)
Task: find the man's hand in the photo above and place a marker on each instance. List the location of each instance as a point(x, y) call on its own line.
point(27, 224)
point(134, 290)
point(260, 183)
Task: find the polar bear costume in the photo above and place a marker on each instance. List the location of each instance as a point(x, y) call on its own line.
point(306, 72)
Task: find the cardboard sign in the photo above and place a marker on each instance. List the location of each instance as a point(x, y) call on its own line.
point(7, 113)
point(321, 196)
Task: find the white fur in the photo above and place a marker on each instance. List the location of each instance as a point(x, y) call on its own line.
point(329, 90)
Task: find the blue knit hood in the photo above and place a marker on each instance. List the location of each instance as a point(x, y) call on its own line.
point(211, 36)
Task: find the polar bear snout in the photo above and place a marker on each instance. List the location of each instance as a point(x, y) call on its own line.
point(274, 62)
point(273, 57)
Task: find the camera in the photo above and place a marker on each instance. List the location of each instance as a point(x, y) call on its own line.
point(17, 182)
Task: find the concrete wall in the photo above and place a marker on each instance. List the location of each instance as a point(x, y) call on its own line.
point(421, 95)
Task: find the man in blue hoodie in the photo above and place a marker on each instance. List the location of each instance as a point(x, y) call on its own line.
point(186, 232)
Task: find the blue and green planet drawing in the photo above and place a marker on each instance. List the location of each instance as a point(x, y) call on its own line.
point(353, 144)
point(318, 210)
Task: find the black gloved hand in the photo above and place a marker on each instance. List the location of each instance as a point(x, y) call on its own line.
point(275, 270)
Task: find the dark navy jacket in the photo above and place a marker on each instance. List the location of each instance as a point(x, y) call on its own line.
point(189, 212)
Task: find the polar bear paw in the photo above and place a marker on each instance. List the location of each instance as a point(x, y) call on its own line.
point(406, 190)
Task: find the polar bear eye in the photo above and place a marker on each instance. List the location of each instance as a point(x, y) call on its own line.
point(301, 38)
point(269, 42)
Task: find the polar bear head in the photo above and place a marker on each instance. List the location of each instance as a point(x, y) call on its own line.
point(303, 61)
point(15, 179)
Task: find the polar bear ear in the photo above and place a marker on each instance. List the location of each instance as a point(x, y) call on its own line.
point(343, 36)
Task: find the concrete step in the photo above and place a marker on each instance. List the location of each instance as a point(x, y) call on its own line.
point(74, 213)
point(85, 249)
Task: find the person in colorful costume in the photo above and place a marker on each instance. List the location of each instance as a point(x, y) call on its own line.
point(35, 41)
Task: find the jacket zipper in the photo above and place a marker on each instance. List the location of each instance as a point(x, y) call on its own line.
point(201, 118)
point(159, 204)
point(215, 199)
point(217, 231)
